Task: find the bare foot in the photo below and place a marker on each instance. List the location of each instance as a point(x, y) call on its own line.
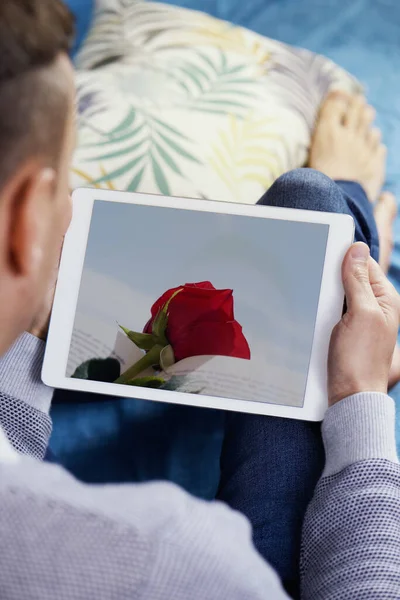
point(385, 213)
point(345, 146)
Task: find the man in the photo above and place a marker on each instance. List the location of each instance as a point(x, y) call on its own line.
point(63, 539)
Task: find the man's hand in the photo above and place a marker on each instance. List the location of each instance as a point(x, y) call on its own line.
point(363, 342)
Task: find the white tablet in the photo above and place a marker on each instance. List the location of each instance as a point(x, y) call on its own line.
point(211, 304)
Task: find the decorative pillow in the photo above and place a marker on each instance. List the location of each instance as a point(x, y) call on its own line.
point(176, 102)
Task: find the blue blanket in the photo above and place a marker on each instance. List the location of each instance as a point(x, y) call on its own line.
point(83, 13)
point(127, 440)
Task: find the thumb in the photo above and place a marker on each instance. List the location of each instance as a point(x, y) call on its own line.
point(384, 291)
point(355, 276)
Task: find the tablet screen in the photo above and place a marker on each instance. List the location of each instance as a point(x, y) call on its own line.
point(199, 302)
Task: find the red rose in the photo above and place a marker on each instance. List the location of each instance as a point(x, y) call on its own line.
point(201, 322)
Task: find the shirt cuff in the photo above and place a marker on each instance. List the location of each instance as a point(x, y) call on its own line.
point(20, 373)
point(360, 427)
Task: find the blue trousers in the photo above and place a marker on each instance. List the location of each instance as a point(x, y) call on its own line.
point(270, 466)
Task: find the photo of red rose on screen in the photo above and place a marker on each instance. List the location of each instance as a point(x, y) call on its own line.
point(200, 321)
point(195, 319)
point(226, 309)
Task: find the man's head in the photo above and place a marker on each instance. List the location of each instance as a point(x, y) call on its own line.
point(36, 142)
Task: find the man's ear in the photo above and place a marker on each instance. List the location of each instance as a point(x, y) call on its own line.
point(28, 197)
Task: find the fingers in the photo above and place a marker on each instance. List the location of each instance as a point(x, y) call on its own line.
point(356, 277)
point(366, 285)
point(384, 292)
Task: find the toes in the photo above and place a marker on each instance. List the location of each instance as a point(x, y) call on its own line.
point(382, 152)
point(335, 106)
point(385, 212)
point(374, 137)
point(367, 118)
point(355, 112)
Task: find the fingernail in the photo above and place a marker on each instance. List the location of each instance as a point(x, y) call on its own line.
point(359, 251)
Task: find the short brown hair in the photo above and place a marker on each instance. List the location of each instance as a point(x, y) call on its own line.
point(33, 104)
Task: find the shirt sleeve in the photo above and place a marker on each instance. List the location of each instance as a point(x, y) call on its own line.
point(351, 534)
point(25, 400)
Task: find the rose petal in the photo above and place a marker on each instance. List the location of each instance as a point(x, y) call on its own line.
point(201, 321)
point(163, 300)
point(205, 285)
point(211, 338)
point(192, 306)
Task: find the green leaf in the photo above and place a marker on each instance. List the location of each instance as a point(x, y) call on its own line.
point(121, 171)
point(159, 326)
point(151, 359)
point(117, 140)
point(168, 159)
point(161, 320)
point(160, 177)
point(169, 128)
point(236, 69)
point(99, 369)
point(218, 94)
point(200, 71)
point(245, 80)
point(134, 184)
point(226, 103)
point(182, 83)
point(215, 111)
point(148, 382)
point(224, 62)
point(207, 59)
point(178, 148)
point(192, 76)
point(127, 122)
point(121, 152)
point(144, 341)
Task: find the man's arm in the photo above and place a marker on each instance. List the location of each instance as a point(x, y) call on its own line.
point(351, 535)
point(24, 399)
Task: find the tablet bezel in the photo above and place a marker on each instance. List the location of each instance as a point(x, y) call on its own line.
point(341, 233)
